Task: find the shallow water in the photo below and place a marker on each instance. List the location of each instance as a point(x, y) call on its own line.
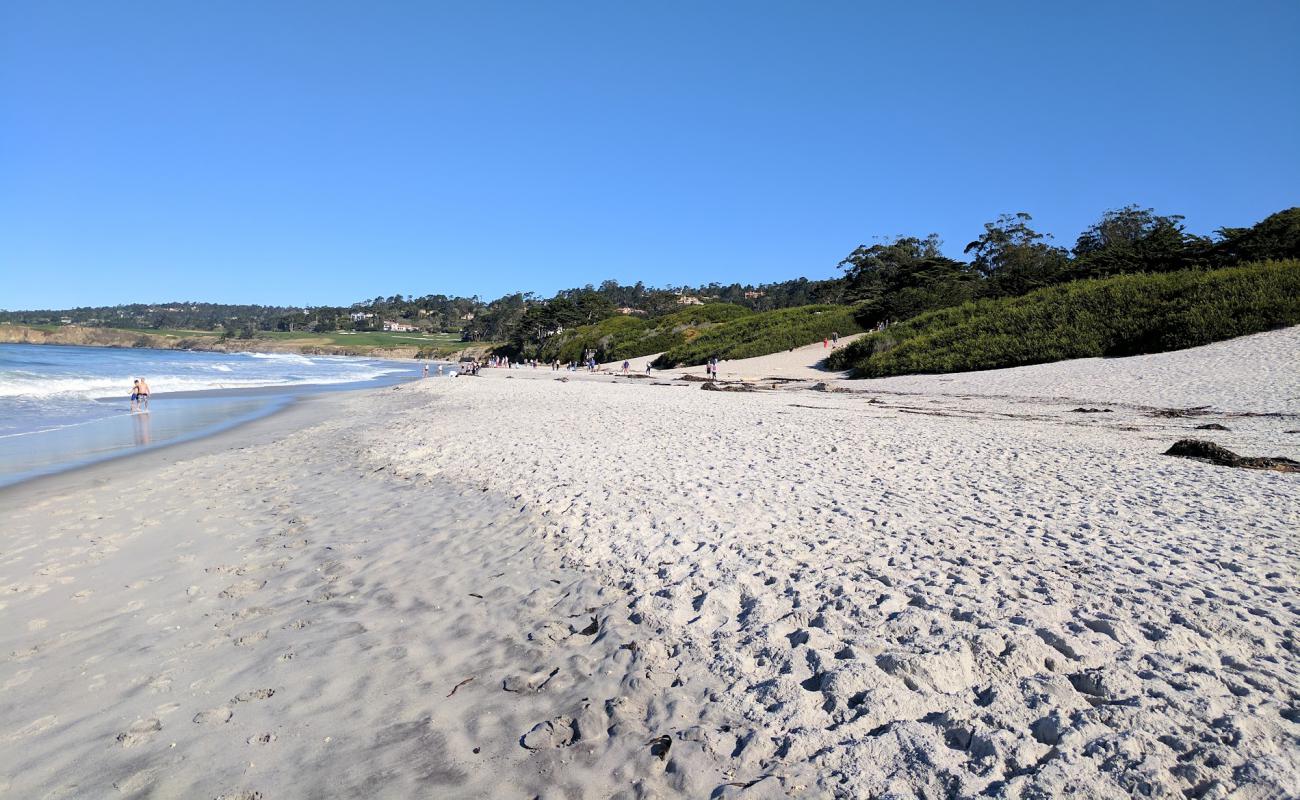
point(64, 406)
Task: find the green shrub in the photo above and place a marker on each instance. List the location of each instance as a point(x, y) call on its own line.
point(761, 334)
point(623, 337)
point(1120, 316)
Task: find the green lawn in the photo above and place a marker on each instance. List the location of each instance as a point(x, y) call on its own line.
point(368, 338)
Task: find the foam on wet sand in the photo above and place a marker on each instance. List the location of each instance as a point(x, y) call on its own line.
point(515, 586)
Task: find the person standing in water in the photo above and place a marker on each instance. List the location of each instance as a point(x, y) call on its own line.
point(135, 396)
point(144, 395)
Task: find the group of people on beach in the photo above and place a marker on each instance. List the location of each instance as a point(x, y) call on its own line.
point(139, 395)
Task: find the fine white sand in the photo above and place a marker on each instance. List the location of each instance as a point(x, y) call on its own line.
point(925, 587)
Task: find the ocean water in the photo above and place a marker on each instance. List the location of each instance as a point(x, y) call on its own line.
point(64, 406)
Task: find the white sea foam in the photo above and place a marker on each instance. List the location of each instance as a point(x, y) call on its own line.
point(92, 388)
point(293, 358)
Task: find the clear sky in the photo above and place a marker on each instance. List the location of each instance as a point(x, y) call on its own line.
point(321, 152)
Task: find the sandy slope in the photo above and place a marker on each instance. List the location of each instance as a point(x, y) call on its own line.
point(801, 363)
point(1259, 373)
point(661, 591)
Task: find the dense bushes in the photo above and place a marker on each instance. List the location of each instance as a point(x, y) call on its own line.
point(1119, 316)
point(623, 337)
point(761, 334)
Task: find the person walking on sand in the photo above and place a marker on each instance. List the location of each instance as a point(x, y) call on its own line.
point(426, 369)
point(627, 365)
point(835, 339)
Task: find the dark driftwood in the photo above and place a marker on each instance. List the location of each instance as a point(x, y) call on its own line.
point(1216, 454)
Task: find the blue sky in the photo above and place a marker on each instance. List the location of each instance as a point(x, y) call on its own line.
point(325, 152)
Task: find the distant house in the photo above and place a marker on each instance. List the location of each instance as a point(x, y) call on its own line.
point(754, 295)
point(467, 317)
point(630, 310)
point(358, 316)
point(65, 321)
point(688, 300)
point(397, 327)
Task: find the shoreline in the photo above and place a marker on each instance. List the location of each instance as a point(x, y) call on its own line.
point(81, 475)
point(269, 400)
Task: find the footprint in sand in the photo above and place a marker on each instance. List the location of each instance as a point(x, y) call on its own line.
point(33, 728)
point(241, 589)
point(214, 716)
point(19, 678)
point(159, 683)
point(136, 781)
point(262, 738)
point(250, 639)
point(141, 731)
point(253, 695)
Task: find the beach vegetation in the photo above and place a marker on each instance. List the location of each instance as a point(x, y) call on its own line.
point(1118, 316)
point(630, 336)
point(761, 334)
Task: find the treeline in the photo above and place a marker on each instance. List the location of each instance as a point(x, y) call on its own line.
point(184, 315)
point(898, 279)
point(884, 282)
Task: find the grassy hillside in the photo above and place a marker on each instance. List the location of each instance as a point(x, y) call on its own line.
point(622, 337)
point(1119, 316)
point(761, 334)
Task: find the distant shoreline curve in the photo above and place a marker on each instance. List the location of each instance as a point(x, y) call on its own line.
point(83, 336)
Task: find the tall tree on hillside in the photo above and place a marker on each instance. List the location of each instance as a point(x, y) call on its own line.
point(903, 277)
point(1015, 258)
point(1275, 237)
point(1133, 239)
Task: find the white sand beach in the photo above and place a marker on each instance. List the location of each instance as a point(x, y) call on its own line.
point(520, 586)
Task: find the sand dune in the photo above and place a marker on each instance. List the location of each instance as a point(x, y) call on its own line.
point(499, 586)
